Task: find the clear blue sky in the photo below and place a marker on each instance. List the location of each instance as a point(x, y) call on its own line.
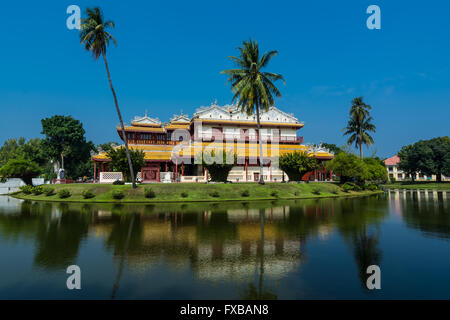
point(170, 54)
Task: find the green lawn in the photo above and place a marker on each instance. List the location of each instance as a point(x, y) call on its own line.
point(197, 192)
point(419, 185)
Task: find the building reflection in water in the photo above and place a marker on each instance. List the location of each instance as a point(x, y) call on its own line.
point(424, 210)
point(250, 245)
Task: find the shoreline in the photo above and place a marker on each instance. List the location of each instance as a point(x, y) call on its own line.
point(191, 193)
point(442, 186)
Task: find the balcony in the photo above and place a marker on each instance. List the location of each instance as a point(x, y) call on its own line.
point(250, 138)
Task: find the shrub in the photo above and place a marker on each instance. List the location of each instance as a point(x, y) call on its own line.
point(372, 187)
point(347, 187)
point(118, 183)
point(245, 193)
point(49, 192)
point(184, 194)
point(316, 191)
point(26, 189)
point(149, 193)
point(214, 194)
point(118, 194)
point(393, 180)
point(88, 194)
point(37, 190)
point(218, 170)
point(64, 193)
point(296, 164)
point(334, 191)
point(296, 193)
point(274, 193)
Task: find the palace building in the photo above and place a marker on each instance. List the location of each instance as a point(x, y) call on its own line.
point(171, 148)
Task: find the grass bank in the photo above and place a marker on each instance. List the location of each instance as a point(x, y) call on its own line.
point(419, 185)
point(189, 192)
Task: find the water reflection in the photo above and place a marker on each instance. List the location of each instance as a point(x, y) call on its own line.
point(251, 245)
point(425, 210)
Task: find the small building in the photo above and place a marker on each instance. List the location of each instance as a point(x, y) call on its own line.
point(172, 147)
point(395, 172)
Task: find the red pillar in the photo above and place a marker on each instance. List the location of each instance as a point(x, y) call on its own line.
point(176, 169)
point(331, 175)
point(246, 169)
point(182, 169)
point(166, 166)
point(95, 169)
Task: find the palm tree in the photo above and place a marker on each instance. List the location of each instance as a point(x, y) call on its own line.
point(359, 125)
point(253, 88)
point(96, 39)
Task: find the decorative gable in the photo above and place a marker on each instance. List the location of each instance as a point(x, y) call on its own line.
point(181, 118)
point(146, 121)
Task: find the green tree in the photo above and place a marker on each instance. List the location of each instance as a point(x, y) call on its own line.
point(296, 164)
point(20, 148)
point(252, 88)
point(65, 143)
point(95, 37)
point(359, 125)
point(220, 169)
point(106, 147)
point(119, 161)
point(20, 168)
point(427, 156)
point(376, 172)
point(440, 162)
point(349, 167)
point(409, 161)
point(332, 147)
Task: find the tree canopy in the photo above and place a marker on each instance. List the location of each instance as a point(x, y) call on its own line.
point(296, 164)
point(22, 149)
point(253, 89)
point(20, 168)
point(359, 125)
point(430, 157)
point(66, 144)
point(218, 170)
point(119, 161)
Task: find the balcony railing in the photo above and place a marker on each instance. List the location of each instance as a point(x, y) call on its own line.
point(251, 138)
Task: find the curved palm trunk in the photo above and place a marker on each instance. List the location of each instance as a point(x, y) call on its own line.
point(133, 178)
point(261, 178)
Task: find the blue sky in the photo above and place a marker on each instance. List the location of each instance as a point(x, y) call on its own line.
point(170, 54)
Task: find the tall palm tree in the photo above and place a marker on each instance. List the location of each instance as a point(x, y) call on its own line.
point(95, 37)
point(253, 88)
point(359, 125)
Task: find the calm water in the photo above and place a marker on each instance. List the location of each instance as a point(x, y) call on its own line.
point(269, 250)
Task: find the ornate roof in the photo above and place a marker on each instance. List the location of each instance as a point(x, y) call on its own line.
point(234, 113)
point(146, 121)
point(180, 119)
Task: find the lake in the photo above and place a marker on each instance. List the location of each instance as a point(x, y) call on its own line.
point(299, 249)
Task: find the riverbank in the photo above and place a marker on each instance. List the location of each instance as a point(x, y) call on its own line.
point(419, 185)
point(195, 192)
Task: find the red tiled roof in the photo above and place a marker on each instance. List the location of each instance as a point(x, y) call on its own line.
point(392, 161)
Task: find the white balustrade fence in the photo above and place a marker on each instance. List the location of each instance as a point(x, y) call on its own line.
point(110, 177)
